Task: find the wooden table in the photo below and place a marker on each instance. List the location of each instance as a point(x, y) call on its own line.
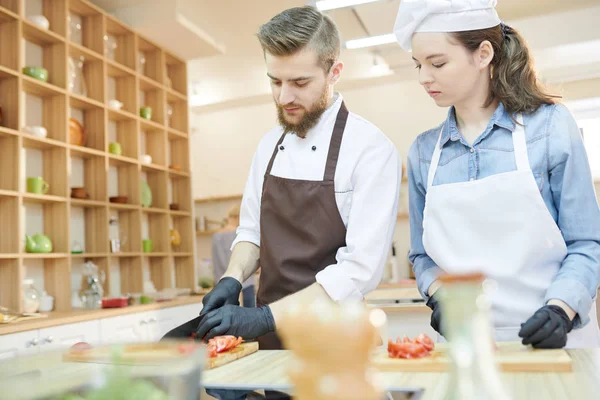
point(266, 369)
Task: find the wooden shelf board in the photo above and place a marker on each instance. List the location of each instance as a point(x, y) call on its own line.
point(83, 8)
point(39, 88)
point(42, 198)
point(218, 198)
point(120, 115)
point(178, 174)
point(6, 72)
point(116, 27)
point(119, 161)
point(179, 213)
point(76, 50)
point(44, 255)
point(85, 152)
point(147, 84)
point(32, 142)
point(148, 125)
point(154, 210)
point(182, 254)
point(121, 255)
point(125, 207)
point(156, 254)
point(43, 37)
point(89, 255)
point(116, 70)
point(4, 256)
point(7, 15)
point(175, 134)
point(153, 168)
point(84, 103)
point(8, 132)
point(87, 203)
point(10, 193)
point(173, 95)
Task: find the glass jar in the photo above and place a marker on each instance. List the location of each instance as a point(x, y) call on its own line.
point(31, 297)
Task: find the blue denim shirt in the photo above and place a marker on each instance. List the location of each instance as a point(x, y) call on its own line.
point(560, 165)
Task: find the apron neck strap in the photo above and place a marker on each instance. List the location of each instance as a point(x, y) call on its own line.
point(275, 150)
point(336, 143)
point(519, 144)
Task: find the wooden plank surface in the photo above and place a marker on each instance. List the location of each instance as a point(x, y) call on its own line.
point(155, 354)
point(511, 357)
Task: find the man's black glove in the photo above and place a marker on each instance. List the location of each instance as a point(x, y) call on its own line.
point(547, 328)
point(249, 323)
point(227, 291)
point(436, 315)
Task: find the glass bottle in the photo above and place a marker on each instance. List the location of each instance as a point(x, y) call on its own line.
point(31, 297)
point(474, 373)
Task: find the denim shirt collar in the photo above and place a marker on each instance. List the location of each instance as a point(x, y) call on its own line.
point(500, 118)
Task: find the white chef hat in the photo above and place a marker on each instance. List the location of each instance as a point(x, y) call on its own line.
point(442, 16)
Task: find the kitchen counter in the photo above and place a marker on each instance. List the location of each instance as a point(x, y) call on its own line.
point(267, 369)
point(81, 315)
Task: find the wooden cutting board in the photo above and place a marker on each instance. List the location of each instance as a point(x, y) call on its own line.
point(511, 357)
point(154, 354)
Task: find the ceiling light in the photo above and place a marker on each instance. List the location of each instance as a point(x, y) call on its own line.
point(325, 5)
point(371, 41)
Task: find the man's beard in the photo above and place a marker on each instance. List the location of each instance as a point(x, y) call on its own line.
point(309, 119)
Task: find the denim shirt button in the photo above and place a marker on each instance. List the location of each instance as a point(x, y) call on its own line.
point(472, 150)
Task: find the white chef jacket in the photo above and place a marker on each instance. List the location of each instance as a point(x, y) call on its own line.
point(367, 186)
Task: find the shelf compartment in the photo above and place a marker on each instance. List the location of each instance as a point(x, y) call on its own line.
point(35, 34)
point(153, 96)
point(176, 74)
point(124, 180)
point(124, 131)
point(120, 85)
point(132, 275)
point(9, 159)
point(45, 51)
point(89, 227)
point(179, 155)
point(54, 10)
point(77, 263)
point(125, 41)
point(86, 26)
point(48, 218)
point(153, 142)
point(183, 225)
point(88, 171)
point(179, 116)
point(93, 74)
point(9, 32)
point(41, 100)
point(179, 192)
point(51, 165)
point(160, 272)
point(91, 116)
point(9, 219)
point(156, 228)
point(184, 272)
point(157, 180)
point(11, 278)
point(55, 278)
point(87, 203)
point(125, 225)
point(150, 60)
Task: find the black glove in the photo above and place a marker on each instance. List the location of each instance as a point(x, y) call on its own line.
point(249, 323)
point(436, 315)
point(227, 291)
point(547, 328)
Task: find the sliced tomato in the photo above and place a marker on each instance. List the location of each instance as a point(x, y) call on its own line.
point(187, 348)
point(407, 350)
point(426, 341)
point(81, 346)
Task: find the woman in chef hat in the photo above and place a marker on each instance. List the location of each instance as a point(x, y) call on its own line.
point(503, 185)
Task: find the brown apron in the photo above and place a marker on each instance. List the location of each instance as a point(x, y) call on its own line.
point(301, 229)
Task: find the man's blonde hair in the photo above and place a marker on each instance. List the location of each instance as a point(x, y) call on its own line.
point(298, 28)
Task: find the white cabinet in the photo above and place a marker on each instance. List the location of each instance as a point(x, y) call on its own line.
point(19, 344)
point(128, 328)
point(64, 336)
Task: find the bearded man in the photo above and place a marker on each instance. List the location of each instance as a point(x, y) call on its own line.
point(321, 201)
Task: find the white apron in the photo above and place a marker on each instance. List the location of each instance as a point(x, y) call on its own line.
point(501, 227)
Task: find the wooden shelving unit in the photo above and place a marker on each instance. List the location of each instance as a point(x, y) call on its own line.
point(137, 73)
